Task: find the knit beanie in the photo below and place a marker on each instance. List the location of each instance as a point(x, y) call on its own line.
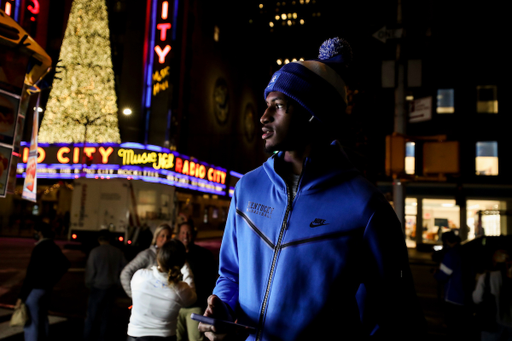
point(315, 84)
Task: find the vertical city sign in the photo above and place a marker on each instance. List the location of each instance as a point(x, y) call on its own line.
point(159, 50)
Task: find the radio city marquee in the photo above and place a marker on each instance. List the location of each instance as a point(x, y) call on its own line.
point(127, 160)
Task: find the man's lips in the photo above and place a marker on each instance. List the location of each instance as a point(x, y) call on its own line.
point(267, 132)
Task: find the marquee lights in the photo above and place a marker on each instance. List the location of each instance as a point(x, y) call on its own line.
point(126, 160)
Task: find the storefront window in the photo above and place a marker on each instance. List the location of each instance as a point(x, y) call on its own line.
point(411, 205)
point(488, 222)
point(439, 216)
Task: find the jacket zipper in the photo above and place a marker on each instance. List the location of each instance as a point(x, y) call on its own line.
point(272, 268)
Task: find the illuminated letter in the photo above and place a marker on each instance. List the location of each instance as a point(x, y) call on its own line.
point(42, 154)
point(222, 177)
point(202, 171)
point(165, 9)
point(63, 159)
point(163, 31)
point(185, 167)
point(161, 54)
point(8, 8)
point(89, 150)
point(179, 164)
point(192, 168)
point(210, 174)
point(76, 155)
point(25, 155)
point(35, 9)
point(170, 161)
point(105, 154)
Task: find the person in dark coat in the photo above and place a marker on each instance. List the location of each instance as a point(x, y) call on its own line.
point(46, 267)
point(102, 272)
point(204, 268)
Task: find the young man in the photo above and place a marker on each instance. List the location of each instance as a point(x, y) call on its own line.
point(311, 250)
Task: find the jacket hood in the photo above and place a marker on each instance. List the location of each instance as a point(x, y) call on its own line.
point(323, 169)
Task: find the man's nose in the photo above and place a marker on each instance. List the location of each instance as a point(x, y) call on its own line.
point(267, 116)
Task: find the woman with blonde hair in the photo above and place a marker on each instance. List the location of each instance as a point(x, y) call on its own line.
point(147, 258)
point(159, 293)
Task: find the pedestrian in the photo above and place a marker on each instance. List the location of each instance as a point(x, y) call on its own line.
point(311, 249)
point(500, 284)
point(204, 267)
point(102, 270)
point(159, 293)
point(46, 267)
point(146, 258)
point(455, 275)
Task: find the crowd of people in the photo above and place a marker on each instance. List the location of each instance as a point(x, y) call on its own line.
point(477, 301)
point(166, 282)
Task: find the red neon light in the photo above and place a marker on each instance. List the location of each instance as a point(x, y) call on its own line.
point(165, 9)
point(162, 53)
point(89, 151)
point(129, 242)
point(121, 239)
point(8, 8)
point(34, 9)
point(163, 30)
point(74, 236)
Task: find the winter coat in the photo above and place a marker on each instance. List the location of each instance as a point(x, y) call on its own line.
point(331, 262)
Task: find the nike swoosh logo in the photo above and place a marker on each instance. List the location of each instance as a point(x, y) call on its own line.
point(313, 224)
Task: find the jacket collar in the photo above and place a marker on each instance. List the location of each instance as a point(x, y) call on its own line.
point(323, 169)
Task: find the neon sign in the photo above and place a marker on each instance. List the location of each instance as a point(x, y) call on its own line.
point(126, 160)
point(163, 27)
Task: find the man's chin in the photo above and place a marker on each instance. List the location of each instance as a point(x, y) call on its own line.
point(270, 149)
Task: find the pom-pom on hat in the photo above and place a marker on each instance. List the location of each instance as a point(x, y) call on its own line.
point(315, 84)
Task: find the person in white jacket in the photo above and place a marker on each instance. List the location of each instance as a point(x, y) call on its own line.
point(158, 294)
point(146, 258)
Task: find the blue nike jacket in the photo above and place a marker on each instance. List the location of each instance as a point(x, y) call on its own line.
point(332, 262)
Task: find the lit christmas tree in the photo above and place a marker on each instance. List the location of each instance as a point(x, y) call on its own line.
point(82, 103)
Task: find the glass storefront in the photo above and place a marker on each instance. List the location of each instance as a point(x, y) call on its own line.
point(489, 222)
point(441, 215)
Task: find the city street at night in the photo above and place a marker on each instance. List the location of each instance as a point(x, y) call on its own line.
point(314, 140)
point(69, 298)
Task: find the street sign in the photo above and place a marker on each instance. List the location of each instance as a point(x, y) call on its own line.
point(384, 34)
point(420, 110)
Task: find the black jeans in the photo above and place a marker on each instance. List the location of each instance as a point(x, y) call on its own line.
point(151, 338)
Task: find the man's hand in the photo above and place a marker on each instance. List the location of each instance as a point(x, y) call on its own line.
point(214, 305)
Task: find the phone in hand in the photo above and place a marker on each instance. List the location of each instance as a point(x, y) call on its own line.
point(223, 326)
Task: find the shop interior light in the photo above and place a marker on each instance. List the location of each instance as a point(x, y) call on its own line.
point(129, 242)
point(279, 62)
point(127, 111)
point(121, 238)
point(74, 236)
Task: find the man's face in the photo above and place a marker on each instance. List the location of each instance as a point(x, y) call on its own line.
point(282, 129)
point(186, 235)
